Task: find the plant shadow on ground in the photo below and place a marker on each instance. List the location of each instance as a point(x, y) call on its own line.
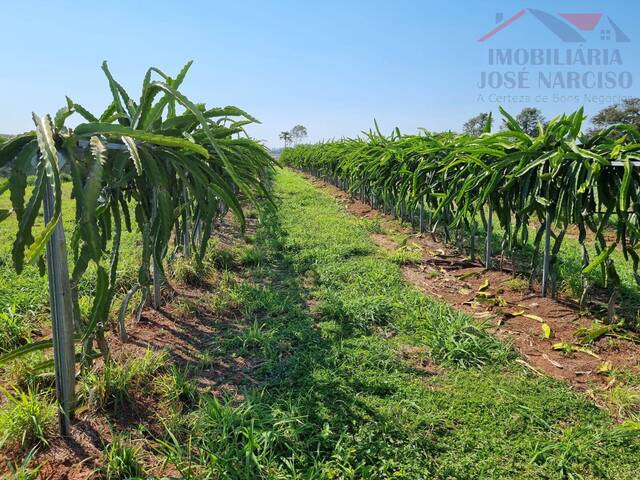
point(345, 385)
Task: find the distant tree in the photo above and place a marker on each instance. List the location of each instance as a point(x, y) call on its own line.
point(528, 120)
point(6, 170)
point(298, 133)
point(476, 125)
point(628, 111)
point(286, 138)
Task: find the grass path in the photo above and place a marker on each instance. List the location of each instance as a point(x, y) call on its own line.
point(370, 379)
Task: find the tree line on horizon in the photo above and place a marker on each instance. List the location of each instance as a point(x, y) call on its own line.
point(625, 112)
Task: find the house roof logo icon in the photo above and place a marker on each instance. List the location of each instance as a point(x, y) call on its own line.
point(568, 27)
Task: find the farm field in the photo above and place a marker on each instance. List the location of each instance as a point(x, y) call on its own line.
point(316, 241)
point(302, 352)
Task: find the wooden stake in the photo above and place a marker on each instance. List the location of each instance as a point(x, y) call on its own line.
point(546, 262)
point(187, 225)
point(489, 240)
point(157, 285)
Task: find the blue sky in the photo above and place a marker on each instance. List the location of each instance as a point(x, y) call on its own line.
point(332, 66)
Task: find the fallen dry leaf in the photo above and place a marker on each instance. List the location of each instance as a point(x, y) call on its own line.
point(552, 362)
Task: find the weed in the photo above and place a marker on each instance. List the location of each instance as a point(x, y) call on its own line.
point(574, 448)
point(456, 340)
point(14, 329)
point(26, 420)
point(24, 470)
point(222, 259)
point(113, 386)
point(176, 386)
point(205, 359)
point(251, 338)
point(433, 273)
point(246, 437)
point(516, 283)
point(31, 371)
point(177, 424)
point(373, 226)
point(185, 306)
point(252, 256)
point(406, 255)
point(189, 272)
point(624, 400)
point(121, 459)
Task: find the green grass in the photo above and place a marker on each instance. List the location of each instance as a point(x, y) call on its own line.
point(111, 387)
point(26, 420)
point(177, 387)
point(24, 470)
point(122, 460)
point(338, 399)
point(406, 255)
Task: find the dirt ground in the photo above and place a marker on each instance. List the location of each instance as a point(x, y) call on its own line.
point(515, 313)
